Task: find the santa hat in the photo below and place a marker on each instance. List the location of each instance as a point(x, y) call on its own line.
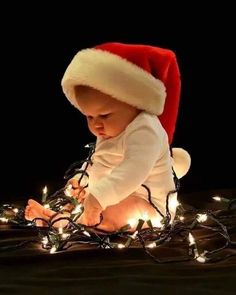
point(144, 76)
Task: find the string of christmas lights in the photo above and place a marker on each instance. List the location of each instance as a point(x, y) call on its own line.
point(192, 229)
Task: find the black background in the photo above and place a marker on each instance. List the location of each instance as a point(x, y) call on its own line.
point(42, 134)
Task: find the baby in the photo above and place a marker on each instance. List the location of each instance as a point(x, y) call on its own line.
point(122, 89)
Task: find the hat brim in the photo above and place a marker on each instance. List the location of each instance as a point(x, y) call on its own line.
point(115, 76)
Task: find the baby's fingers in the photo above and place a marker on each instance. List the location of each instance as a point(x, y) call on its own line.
point(74, 183)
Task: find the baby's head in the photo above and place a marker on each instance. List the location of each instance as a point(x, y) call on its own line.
point(143, 76)
point(107, 117)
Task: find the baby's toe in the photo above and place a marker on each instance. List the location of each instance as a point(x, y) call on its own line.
point(27, 211)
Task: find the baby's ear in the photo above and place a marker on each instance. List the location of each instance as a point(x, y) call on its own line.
point(181, 161)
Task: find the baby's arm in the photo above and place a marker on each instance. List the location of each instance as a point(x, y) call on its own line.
point(143, 147)
point(92, 208)
point(92, 211)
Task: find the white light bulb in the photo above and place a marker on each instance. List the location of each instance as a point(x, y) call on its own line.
point(191, 239)
point(120, 246)
point(217, 198)
point(201, 217)
point(53, 249)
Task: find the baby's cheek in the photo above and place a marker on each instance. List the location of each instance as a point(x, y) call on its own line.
point(91, 129)
point(115, 130)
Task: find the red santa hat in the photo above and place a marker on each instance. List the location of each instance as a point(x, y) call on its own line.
point(144, 76)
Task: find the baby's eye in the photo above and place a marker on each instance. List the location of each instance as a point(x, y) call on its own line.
point(89, 117)
point(104, 116)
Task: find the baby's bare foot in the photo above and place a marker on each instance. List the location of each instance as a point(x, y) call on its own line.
point(36, 210)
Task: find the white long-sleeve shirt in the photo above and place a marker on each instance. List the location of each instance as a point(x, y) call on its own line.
point(139, 155)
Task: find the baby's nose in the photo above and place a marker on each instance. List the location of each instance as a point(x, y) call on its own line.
point(98, 123)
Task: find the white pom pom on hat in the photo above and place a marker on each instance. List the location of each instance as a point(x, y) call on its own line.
point(181, 161)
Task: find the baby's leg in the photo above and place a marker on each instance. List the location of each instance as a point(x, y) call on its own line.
point(128, 211)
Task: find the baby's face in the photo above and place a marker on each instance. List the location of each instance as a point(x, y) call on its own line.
point(106, 116)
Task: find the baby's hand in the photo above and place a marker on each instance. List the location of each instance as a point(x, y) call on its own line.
point(92, 211)
point(75, 190)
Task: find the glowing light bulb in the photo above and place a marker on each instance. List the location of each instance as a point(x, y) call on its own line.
point(3, 219)
point(77, 209)
point(64, 236)
point(120, 246)
point(173, 203)
point(201, 217)
point(201, 259)
point(60, 230)
point(86, 233)
point(53, 249)
point(132, 222)
point(44, 194)
point(134, 235)
point(217, 198)
point(156, 222)
point(152, 245)
point(45, 241)
point(68, 191)
point(191, 239)
point(221, 199)
point(145, 216)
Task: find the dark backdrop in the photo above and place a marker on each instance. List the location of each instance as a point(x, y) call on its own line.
point(42, 134)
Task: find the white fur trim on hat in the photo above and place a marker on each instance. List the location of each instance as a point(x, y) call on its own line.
point(181, 161)
point(115, 76)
